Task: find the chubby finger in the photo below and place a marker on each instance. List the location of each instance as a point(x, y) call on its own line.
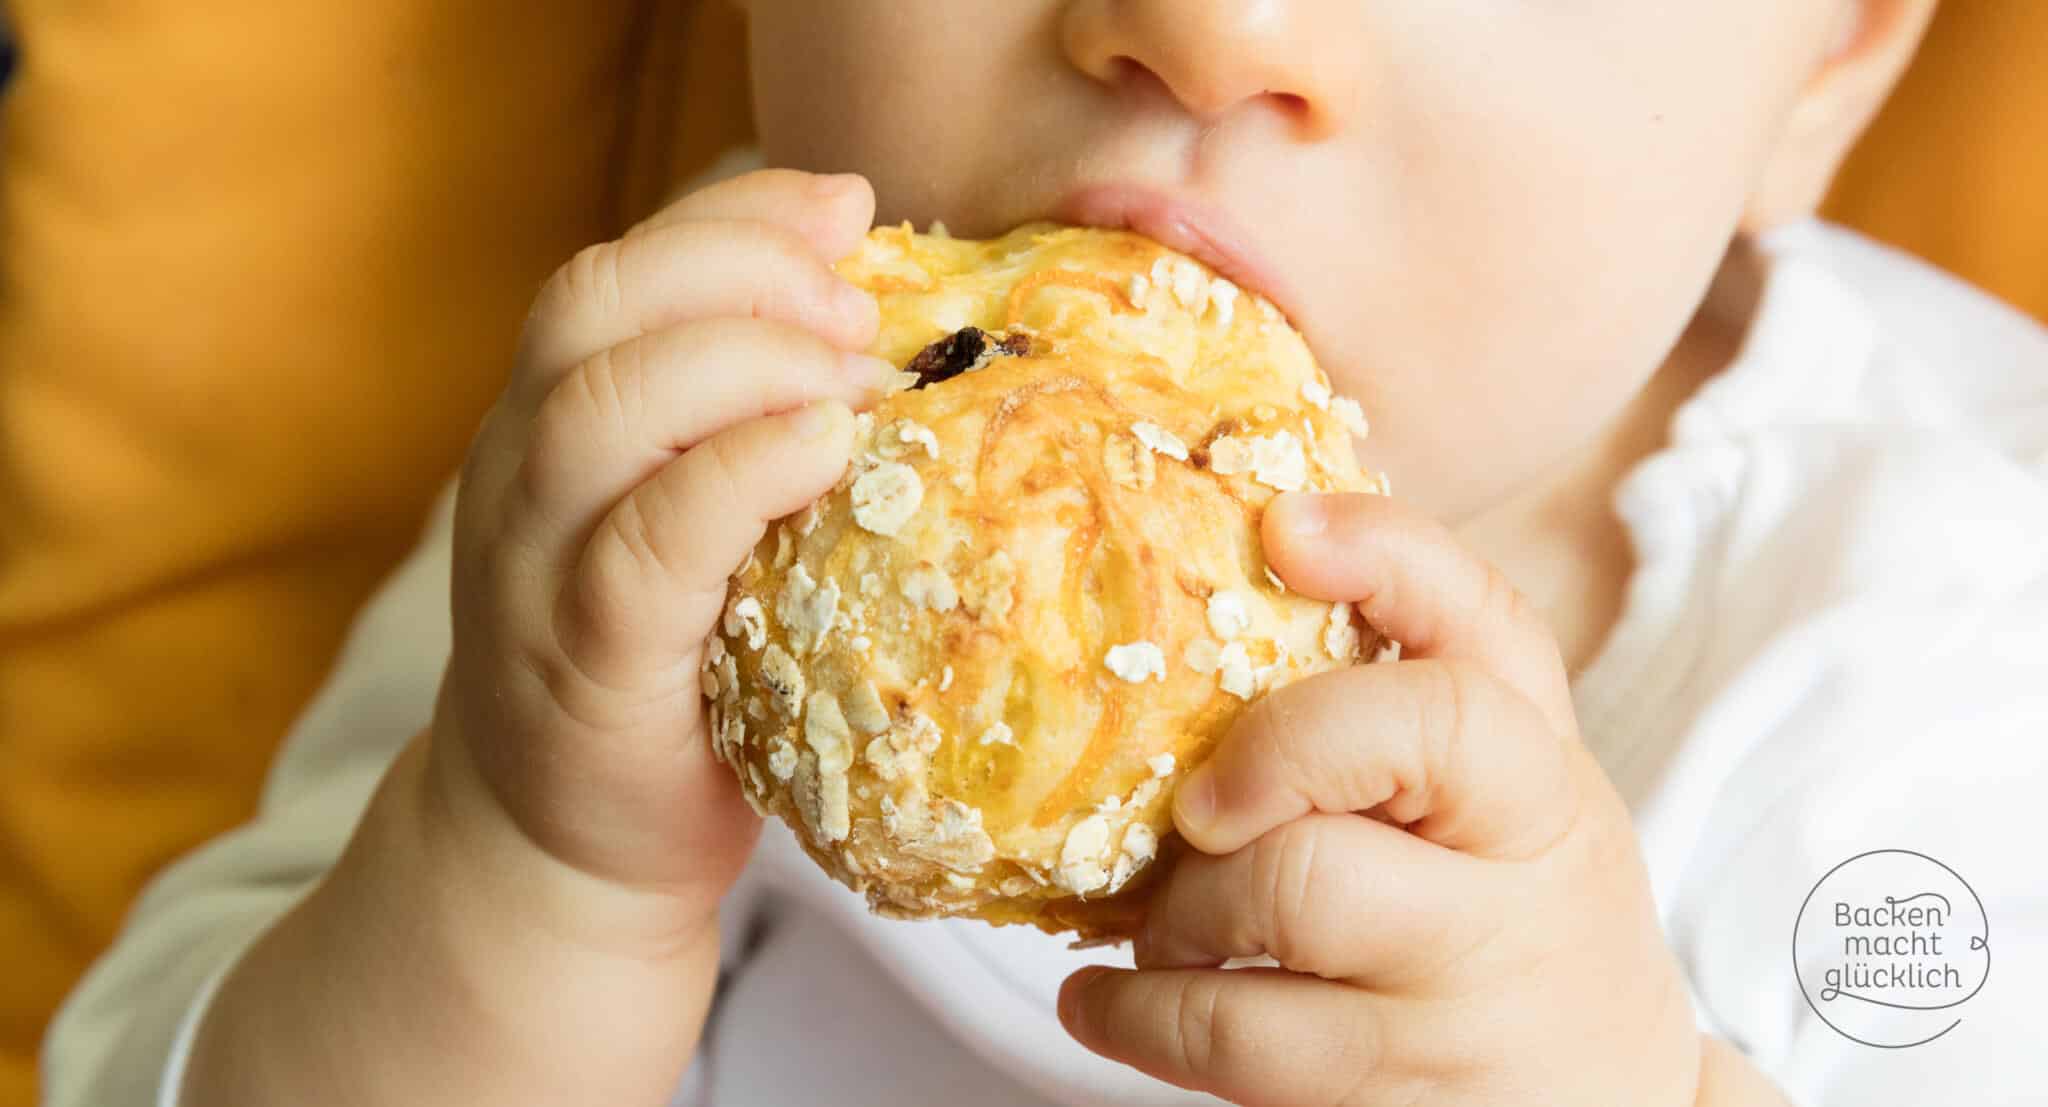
point(1334, 895)
point(830, 211)
point(652, 578)
point(1416, 583)
point(1440, 746)
point(1251, 1036)
point(621, 415)
point(617, 291)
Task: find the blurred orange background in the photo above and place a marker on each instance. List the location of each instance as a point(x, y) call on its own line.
point(247, 323)
point(1956, 169)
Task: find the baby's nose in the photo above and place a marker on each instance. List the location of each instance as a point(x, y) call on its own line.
point(1219, 56)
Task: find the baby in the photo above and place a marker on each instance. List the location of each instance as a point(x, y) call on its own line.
point(1719, 555)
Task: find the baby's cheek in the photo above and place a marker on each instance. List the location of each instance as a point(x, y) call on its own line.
point(1472, 398)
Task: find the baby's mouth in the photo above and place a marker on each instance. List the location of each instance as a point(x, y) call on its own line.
point(1185, 224)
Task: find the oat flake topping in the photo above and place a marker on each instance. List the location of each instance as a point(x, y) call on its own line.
point(1137, 662)
point(1160, 440)
point(886, 496)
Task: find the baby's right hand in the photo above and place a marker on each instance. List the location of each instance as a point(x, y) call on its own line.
point(528, 910)
point(675, 391)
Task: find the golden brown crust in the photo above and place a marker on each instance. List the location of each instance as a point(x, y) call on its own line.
point(969, 676)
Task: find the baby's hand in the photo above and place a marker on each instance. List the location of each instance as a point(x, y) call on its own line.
point(1445, 875)
point(676, 390)
point(527, 911)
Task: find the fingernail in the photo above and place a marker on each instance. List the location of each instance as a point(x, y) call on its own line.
point(1194, 802)
point(826, 186)
point(856, 303)
point(816, 421)
point(1303, 516)
point(868, 372)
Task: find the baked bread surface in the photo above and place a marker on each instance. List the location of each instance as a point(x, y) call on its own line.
point(969, 676)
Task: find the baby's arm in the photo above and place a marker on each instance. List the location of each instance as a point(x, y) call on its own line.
point(527, 909)
point(426, 968)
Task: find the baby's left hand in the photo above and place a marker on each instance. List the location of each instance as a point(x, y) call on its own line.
point(1444, 873)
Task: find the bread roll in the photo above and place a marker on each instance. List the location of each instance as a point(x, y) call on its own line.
point(970, 675)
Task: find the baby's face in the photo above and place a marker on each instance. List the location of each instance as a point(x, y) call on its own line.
point(1492, 218)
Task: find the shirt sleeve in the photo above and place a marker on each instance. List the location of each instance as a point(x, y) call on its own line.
point(120, 1039)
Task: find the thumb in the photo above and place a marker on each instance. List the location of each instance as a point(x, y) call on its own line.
point(1414, 582)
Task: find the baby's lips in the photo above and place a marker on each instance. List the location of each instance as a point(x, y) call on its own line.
point(1184, 223)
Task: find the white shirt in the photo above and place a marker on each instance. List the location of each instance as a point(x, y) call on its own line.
point(1836, 640)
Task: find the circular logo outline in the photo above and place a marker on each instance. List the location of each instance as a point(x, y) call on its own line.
point(1983, 943)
